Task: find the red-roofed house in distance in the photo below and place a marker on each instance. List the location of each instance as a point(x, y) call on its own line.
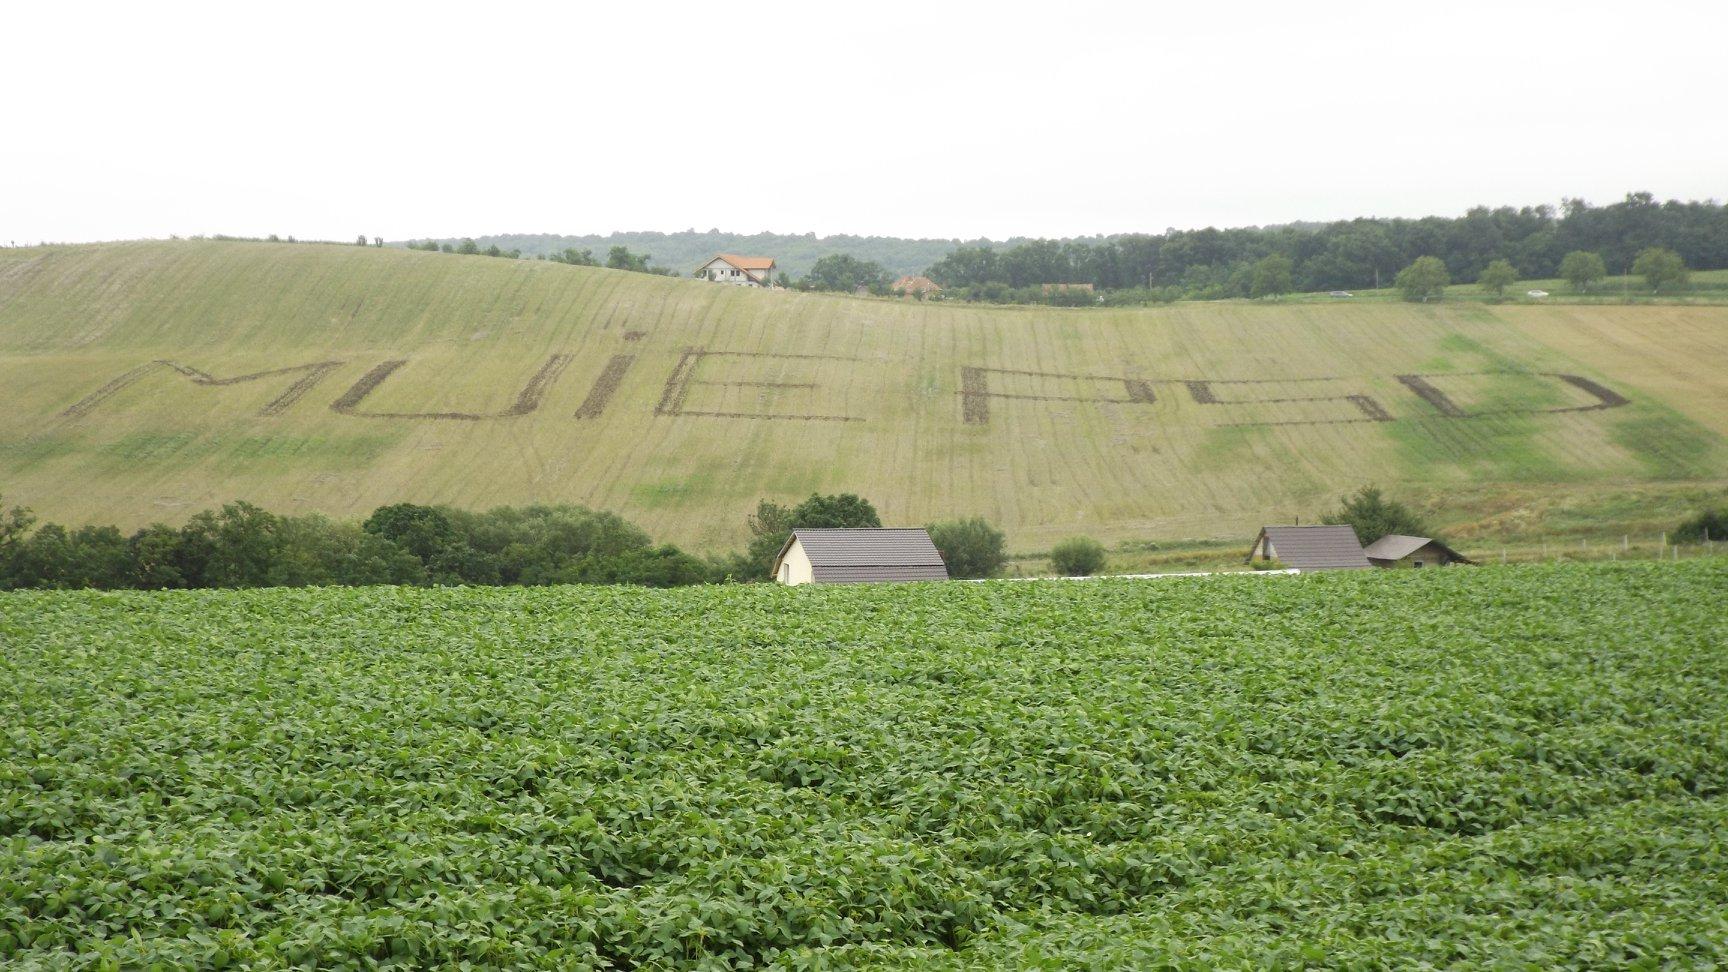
point(744, 271)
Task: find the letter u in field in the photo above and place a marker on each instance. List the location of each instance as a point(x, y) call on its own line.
point(527, 400)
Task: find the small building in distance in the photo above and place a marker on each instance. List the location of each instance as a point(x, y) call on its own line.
point(912, 285)
point(1305, 548)
point(1063, 288)
point(743, 271)
point(1398, 550)
point(858, 556)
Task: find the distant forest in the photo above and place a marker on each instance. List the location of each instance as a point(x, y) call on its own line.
point(1345, 254)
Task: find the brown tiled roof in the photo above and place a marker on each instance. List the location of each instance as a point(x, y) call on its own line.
point(747, 262)
point(841, 556)
point(916, 284)
point(1315, 547)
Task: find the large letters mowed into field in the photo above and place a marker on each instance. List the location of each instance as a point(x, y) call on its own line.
point(165, 378)
point(1522, 766)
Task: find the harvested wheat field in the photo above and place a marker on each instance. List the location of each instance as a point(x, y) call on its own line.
point(164, 378)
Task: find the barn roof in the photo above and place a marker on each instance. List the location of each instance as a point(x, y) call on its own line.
point(1331, 547)
point(1397, 546)
point(839, 556)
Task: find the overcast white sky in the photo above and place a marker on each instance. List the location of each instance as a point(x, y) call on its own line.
point(908, 119)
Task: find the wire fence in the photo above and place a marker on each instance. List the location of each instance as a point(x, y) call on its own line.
point(1661, 547)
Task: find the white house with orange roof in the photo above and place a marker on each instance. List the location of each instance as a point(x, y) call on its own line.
point(745, 271)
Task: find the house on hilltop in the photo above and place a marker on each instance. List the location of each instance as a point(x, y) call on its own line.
point(744, 271)
point(858, 556)
point(1398, 550)
point(912, 285)
point(1331, 547)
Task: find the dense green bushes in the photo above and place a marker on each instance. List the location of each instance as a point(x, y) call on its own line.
point(1517, 768)
point(1372, 516)
point(970, 548)
point(1707, 526)
point(1077, 557)
point(773, 523)
point(241, 545)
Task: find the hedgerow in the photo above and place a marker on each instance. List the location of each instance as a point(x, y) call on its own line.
point(1522, 767)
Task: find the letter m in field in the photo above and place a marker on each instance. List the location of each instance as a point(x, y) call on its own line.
point(308, 377)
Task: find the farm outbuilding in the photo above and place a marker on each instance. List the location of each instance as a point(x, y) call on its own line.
point(858, 556)
point(1398, 550)
point(1330, 547)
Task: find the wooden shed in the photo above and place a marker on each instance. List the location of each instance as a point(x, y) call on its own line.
point(858, 556)
point(1398, 550)
point(1330, 547)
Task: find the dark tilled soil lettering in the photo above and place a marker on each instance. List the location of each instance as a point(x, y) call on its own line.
point(1426, 391)
point(683, 376)
point(314, 373)
point(526, 401)
point(610, 377)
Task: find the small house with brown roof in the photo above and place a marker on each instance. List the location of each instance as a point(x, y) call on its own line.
point(743, 271)
point(858, 556)
point(1306, 548)
point(912, 285)
point(1398, 550)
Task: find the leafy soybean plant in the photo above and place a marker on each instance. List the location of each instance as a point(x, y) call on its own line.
point(1518, 766)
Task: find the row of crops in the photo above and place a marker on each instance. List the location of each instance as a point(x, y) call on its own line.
point(1515, 766)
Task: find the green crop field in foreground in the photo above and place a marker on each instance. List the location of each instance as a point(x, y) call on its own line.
point(159, 379)
point(1523, 767)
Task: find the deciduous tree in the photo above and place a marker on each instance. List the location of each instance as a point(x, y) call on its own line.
point(1373, 516)
point(844, 272)
point(1660, 267)
point(1581, 268)
point(772, 523)
point(1496, 277)
point(1273, 275)
point(1425, 278)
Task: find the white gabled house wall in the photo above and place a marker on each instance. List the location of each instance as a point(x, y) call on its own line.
point(718, 270)
point(795, 567)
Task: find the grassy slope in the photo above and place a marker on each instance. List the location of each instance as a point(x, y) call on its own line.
point(473, 330)
point(1703, 287)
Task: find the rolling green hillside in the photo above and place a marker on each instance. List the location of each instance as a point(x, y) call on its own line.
point(146, 381)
